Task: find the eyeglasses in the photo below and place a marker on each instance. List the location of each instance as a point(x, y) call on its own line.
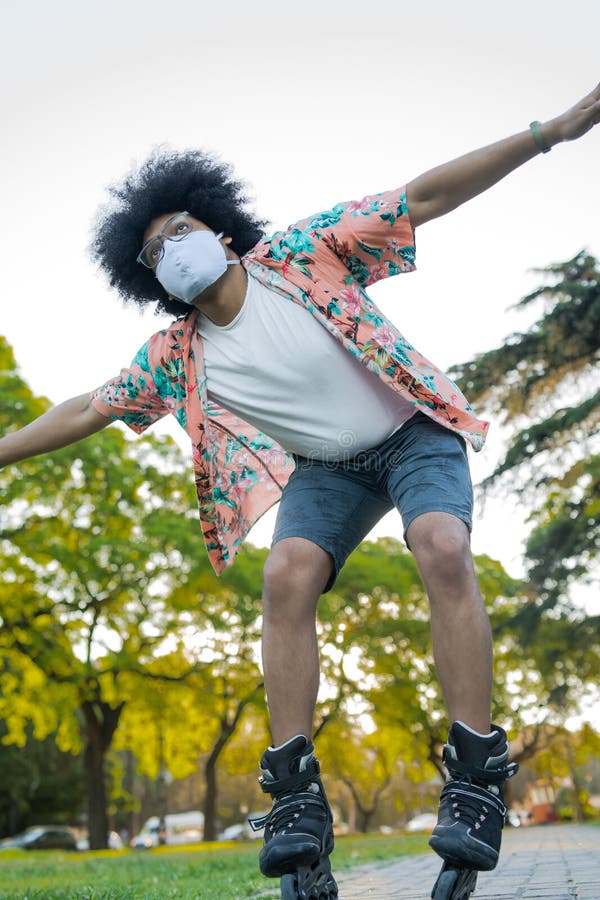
point(176, 228)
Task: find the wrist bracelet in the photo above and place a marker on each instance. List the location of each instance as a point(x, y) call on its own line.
point(540, 140)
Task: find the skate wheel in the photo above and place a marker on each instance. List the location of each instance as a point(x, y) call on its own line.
point(289, 887)
point(313, 882)
point(454, 884)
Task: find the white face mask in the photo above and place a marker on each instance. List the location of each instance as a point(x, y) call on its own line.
point(192, 264)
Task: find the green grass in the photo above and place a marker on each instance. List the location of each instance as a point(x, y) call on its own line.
point(204, 872)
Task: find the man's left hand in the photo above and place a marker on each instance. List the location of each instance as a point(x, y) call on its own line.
point(576, 121)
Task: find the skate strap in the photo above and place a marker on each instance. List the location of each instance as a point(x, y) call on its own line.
point(305, 799)
point(258, 822)
point(281, 785)
point(487, 776)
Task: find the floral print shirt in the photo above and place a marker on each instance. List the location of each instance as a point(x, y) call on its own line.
point(324, 262)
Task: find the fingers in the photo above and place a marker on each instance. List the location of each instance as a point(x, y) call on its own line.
point(593, 96)
point(589, 105)
point(589, 99)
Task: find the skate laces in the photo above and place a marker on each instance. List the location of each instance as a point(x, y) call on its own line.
point(470, 803)
point(473, 790)
point(287, 810)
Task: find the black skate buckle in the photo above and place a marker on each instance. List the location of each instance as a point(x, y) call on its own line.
point(458, 769)
point(281, 785)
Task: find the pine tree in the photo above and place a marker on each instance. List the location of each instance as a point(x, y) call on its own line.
point(544, 383)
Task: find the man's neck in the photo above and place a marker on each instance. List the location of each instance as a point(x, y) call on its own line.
point(222, 301)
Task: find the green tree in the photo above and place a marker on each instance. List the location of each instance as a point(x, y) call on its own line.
point(108, 600)
point(111, 620)
point(39, 783)
point(171, 727)
point(377, 653)
point(563, 757)
point(544, 384)
point(94, 538)
point(84, 583)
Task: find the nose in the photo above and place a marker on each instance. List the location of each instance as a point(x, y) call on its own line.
point(179, 260)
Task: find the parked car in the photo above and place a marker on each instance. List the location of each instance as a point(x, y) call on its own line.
point(179, 828)
point(513, 818)
point(241, 832)
point(423, 822)
point(237, 832)
point(42, 837)
point(114, 842)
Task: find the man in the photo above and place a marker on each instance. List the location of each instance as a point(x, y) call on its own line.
point(292, 385)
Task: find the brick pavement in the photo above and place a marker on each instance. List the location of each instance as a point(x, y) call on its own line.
point(554, 862)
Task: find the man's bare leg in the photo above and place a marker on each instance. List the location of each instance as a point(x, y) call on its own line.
point(476, 754)
point(460, 628)
point(296, 571)
point(299, 828)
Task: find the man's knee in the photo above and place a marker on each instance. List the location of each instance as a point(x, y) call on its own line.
point(296, 572)
point(441, 545)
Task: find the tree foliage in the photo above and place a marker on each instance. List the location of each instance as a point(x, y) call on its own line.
point(544, 384)
point(99, 542)
point(39, 783)
point(115, 632)
point(559, 350)
point(561, 759)
point(182, 721)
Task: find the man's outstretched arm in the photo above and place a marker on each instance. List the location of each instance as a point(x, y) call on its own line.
point(62, 425)
point(444, 188)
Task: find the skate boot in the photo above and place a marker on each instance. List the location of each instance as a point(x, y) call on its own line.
point(299, 828)
point(472, 811)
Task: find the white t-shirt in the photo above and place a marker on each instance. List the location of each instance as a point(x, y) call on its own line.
point(279, 369)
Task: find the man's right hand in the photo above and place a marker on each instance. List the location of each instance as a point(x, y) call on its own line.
point(60, 426)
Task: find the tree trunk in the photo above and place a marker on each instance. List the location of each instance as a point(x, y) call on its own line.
point(93, 759)
point(101, 721)
point(210, 801)
point(577, 804)
point(211, 789)
point(161, 793)
point(365, 818)
point(229, 723)
point(130, 788)
point(13, 814)
point(364, 814)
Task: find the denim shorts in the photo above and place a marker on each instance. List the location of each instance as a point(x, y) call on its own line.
point(421, 468)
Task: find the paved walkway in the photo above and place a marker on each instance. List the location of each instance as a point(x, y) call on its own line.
point(553, 862)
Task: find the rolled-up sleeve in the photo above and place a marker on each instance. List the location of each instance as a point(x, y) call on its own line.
point(131, 397)
point(373, 237)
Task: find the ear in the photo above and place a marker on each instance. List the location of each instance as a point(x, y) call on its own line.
point(227, 240)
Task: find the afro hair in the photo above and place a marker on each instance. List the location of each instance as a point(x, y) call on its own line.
point(168, 181)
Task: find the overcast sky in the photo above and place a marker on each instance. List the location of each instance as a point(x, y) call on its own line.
point(313, 103)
